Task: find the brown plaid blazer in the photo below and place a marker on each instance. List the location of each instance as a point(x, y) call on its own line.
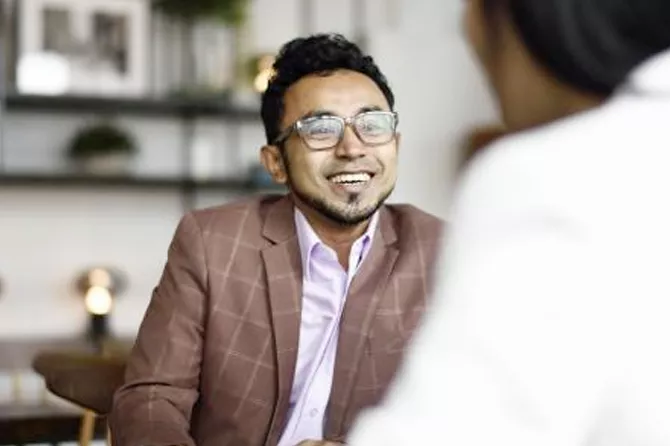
point(214, 359)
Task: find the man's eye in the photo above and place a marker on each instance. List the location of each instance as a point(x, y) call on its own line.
point(320, 129)
point(372, 126)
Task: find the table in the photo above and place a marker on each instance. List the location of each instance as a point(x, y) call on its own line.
point(43, 423)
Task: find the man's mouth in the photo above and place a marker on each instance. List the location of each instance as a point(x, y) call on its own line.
point(351, 178)
point(351, 182)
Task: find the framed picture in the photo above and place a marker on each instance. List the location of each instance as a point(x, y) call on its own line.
point(92, 47)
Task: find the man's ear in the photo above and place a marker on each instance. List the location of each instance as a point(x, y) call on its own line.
point(272, 160)
point(398, 139)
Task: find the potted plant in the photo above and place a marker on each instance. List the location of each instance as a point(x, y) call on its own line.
point(230, 12)
point(187, 13)
point(102, 149)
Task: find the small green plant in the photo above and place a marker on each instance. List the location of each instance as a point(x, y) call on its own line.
point(230, 12)
point(100, 139)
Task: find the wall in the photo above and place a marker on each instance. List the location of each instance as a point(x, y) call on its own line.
point(47, 236)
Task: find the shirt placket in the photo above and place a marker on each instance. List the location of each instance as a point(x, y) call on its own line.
point(319, 383)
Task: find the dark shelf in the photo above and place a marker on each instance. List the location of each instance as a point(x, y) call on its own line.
point(144, 182)
point(213, 107)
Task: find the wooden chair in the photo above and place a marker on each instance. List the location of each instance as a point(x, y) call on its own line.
point(87, 380)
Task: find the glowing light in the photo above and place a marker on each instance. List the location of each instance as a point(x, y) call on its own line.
point(98, 300)
point(264, 74)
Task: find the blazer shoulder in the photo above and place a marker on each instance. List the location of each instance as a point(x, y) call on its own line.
point(244, 215)
point(409, 219)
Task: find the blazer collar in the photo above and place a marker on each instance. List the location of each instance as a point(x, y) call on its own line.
point(279, 222)
point(284, 278)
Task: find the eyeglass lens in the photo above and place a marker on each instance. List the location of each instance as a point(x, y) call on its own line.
point(324, 132)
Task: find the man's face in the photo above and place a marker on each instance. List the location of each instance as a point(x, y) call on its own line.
point(348, 182)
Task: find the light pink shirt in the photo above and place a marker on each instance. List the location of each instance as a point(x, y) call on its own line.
point(325, 285)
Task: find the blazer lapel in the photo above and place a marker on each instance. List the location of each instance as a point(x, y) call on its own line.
point(284, 278)
point(365, 293)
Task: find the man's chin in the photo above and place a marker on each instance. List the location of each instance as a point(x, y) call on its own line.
point(348, 214)
point(351, 220)
point(342, 213)
point(346, 211)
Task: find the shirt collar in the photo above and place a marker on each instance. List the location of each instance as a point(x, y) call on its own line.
point(308, 240)
point(653, 76)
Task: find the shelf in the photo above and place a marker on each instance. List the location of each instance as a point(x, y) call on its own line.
point(214, 107)
point(143, 182)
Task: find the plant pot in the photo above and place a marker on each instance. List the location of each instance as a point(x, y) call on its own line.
point(105, 164)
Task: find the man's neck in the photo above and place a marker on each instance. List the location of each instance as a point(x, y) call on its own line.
point(340, 238)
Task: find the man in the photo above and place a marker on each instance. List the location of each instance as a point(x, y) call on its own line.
point(551, 325)
point(278, 319)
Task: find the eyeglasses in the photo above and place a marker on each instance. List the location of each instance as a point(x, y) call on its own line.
point(373, 128)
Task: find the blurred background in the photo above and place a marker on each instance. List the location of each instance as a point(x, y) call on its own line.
point(117, 116)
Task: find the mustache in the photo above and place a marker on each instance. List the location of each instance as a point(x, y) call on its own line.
point(363, 166)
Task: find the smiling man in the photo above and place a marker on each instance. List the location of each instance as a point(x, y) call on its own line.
point(279, 318)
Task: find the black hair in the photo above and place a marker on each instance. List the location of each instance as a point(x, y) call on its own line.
point(319, 54)
point(592, 45)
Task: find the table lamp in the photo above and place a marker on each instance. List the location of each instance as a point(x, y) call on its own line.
point(99, 287)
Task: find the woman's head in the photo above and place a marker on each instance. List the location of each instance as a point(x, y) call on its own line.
point(549, 58)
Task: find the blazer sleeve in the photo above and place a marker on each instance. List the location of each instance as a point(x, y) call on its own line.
point(153, 407)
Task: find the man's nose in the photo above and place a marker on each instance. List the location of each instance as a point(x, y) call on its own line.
point(351, 145)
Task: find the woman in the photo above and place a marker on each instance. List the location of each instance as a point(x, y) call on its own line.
point(550, 326)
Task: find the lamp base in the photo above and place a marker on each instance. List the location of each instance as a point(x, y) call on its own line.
point(98, 330)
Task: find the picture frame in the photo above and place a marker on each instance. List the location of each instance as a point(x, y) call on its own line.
point(84, 47)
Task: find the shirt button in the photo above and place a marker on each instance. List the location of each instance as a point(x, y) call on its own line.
point(313, 412)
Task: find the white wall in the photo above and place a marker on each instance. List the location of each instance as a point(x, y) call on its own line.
point(47, 236)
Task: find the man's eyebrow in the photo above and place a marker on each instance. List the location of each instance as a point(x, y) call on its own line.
point(369, 108)
point(317, 113)
point(323, 112)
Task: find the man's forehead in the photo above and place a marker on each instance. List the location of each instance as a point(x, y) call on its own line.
point(342, 92)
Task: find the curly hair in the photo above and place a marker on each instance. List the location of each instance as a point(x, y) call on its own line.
point(319, 54)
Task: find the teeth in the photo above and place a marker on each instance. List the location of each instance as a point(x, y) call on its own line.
point(351, 178)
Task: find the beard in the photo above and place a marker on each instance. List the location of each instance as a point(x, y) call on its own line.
point(350, 213)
